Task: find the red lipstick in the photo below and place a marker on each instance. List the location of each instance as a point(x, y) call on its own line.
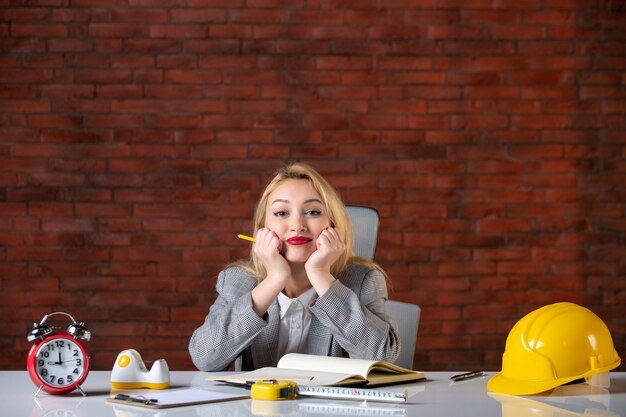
point(298, 240)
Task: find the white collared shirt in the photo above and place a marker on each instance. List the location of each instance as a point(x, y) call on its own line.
point(295, 321)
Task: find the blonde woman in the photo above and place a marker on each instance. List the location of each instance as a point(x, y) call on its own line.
point(302, 290)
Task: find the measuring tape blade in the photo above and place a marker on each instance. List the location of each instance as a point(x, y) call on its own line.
point(287, 390)
point(352, 393)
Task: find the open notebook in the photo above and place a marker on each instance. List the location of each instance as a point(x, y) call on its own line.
point(327, 370)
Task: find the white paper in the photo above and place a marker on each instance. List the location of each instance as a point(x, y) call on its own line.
point(188, 396)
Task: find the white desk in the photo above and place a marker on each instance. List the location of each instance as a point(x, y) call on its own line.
point(435, 397)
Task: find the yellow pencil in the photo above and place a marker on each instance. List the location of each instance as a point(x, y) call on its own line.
point(248, 238)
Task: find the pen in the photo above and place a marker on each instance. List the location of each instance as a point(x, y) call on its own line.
point(467, 375)
point(248, 238)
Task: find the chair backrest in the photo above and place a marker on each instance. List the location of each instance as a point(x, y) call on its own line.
point(364, 230)
point(408, 318)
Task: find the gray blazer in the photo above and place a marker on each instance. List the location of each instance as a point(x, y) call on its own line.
point(348, 320)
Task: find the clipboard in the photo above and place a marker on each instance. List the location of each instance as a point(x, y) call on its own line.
point(175, 398)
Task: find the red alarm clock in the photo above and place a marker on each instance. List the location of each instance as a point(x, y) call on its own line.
point(58, 362)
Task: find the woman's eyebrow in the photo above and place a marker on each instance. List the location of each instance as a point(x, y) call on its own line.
point(280, 200)
point(311, 200)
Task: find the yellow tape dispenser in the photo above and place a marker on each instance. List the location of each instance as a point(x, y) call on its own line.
point(273, 390)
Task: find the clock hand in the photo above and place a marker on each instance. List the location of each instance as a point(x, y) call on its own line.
point(60, 361)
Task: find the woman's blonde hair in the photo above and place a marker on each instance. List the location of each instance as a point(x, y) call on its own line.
point(336, 213)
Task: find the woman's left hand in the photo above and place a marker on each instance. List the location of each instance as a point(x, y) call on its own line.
point(330, 247)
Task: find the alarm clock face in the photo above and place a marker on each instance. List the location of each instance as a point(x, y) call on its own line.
point(60, 363)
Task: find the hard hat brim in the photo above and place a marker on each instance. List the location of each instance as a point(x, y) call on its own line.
point(503, 385)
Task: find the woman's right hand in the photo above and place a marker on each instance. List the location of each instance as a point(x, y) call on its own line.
point(268, 249)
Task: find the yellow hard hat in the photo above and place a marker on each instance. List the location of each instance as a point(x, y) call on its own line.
point(552, 346)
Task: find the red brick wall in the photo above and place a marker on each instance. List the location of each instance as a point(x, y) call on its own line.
point(135, 137)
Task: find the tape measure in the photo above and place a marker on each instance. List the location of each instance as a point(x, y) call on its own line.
point(275, 390)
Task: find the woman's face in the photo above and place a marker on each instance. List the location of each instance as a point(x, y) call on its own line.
point(296, 214)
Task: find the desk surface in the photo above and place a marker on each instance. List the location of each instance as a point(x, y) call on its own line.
point(435, 397)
